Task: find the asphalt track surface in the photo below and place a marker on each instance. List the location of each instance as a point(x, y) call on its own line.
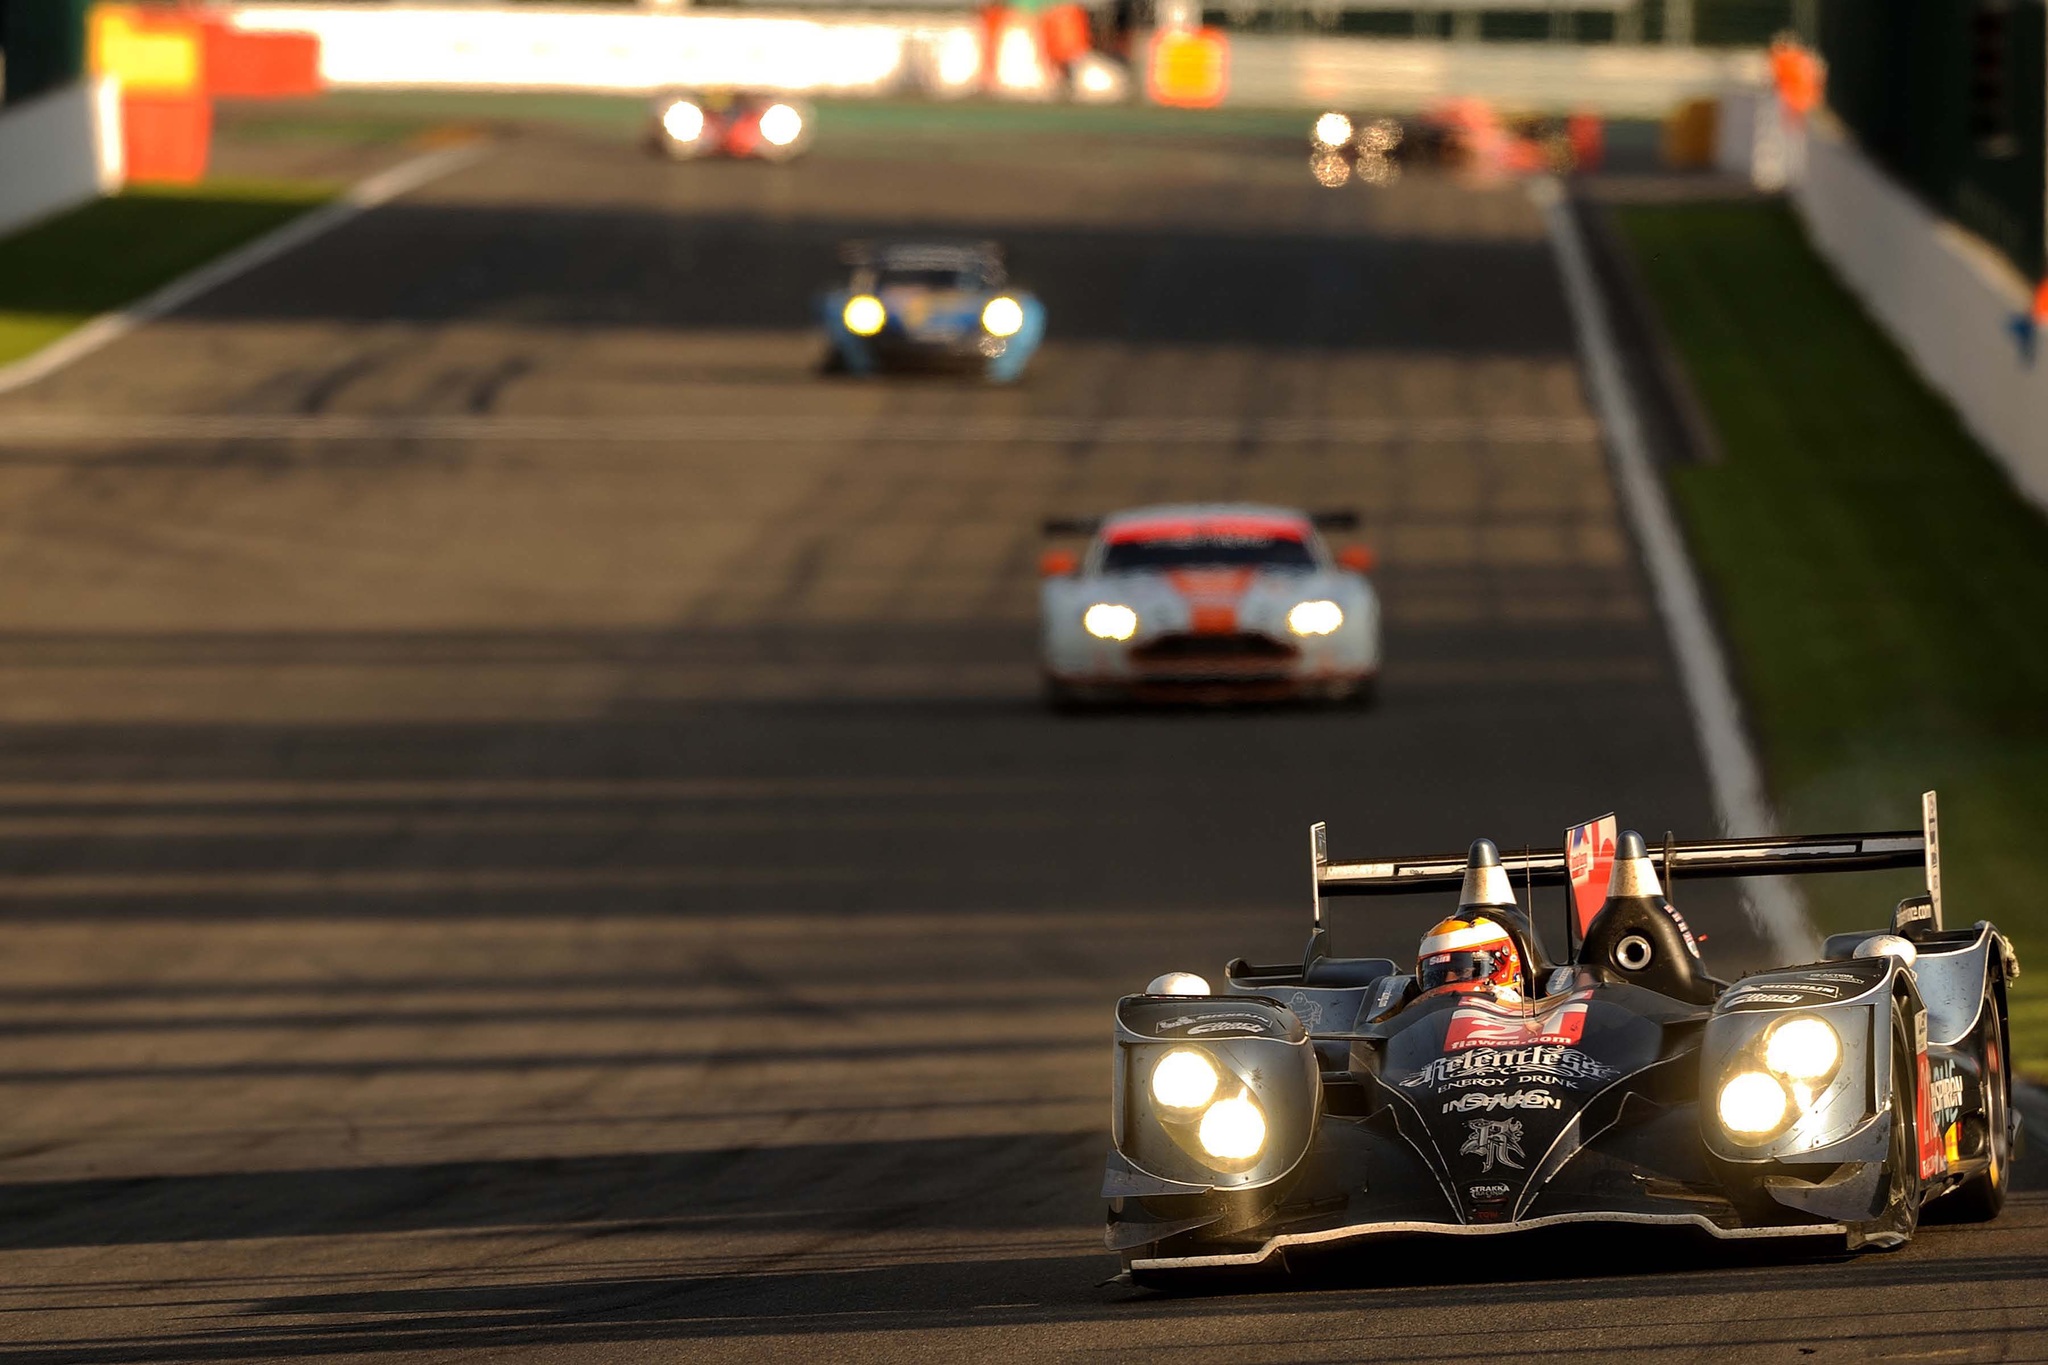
point(526, 829)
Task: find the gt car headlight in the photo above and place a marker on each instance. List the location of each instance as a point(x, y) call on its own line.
point(864, 315)
point(1003, 317)
point(781, 124)
point(1803, 1048)
point(1333, 130)
point(683, 121)
point(1315, 618)
point(1184, 1079)
point(1110, 621)
point(1752, 1104)
point(1232, 1130)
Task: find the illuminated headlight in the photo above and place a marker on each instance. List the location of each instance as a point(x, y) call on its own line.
point(1803, 1049)
point(1315, 618)
point(1752, 1105)
point(864, 315)
point(683, 121)
point(1003, 317)
point(1232, 1130)
point(1110, 621)
point(1184, 1079)
point(781, 124)
point(1333, 130)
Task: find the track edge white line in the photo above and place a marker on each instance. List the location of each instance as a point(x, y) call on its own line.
point(1734, 776)
point(358, 199)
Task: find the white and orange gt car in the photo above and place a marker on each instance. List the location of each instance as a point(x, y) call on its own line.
point(1208, 602)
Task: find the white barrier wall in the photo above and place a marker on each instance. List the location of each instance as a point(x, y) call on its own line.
point(563, 47)
point(1402, 76)
point(1946, 298)
point(58, 150)
point(614, 49)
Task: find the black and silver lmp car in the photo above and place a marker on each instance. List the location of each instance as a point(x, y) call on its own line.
point(1311, 1106)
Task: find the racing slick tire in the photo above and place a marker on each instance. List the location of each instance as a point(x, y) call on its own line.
point(1979, 1199)
point(1895, 1222)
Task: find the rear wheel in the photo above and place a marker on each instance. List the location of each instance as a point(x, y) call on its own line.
point(1980, 1197)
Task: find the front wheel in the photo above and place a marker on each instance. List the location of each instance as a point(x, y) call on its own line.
point(1900, 1214)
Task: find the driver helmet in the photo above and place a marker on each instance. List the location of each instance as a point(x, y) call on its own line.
point(1468, 953)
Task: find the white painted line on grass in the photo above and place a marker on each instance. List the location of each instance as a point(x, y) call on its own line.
point(1774, 905)
point(357, 199)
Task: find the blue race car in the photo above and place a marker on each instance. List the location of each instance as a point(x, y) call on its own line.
point(931, 305)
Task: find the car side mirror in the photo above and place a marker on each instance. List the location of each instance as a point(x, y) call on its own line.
point(1058, 563)
point(1358, 558)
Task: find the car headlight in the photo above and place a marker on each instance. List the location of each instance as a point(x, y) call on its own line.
point(1803, 1048)
point(1184, 1079)
point(1333, 130)
point(1110, 621)
point(683, 121)
point(1315, 618)
point(1003, 317)
point(864, 315)
point(1179, 983)
point(1752, 1104)
point(1232, 1130)
point(781, 124)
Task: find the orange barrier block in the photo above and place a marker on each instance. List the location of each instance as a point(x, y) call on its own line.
point(1588, 138)
point(166, 138)
point(1799, 76)
point(260, 65)
point(1689, 135)
point(159, 58)
point(1188, 68)
point(1066, 33)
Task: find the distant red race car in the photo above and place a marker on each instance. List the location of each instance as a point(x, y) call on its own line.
point(1464, 135)
point(689, 124)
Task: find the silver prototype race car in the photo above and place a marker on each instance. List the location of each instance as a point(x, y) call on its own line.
point(1327, 1103)
point(1208, 601)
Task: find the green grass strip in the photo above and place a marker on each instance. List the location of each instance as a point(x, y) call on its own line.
point(378, 116)
point(65, 270)
point(1881, 584)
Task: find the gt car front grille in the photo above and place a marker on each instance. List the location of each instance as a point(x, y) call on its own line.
point(1240, 647)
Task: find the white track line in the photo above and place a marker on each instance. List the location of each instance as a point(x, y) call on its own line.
point(357, 199)
point(53, 428)
point(1774, 905)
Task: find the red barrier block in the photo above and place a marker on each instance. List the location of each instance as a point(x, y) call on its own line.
point(166, 137)
point(260, 65)
point(1066, 33)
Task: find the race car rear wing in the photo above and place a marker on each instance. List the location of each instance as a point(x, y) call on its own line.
point(1337, 519)
point(1763, 856)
